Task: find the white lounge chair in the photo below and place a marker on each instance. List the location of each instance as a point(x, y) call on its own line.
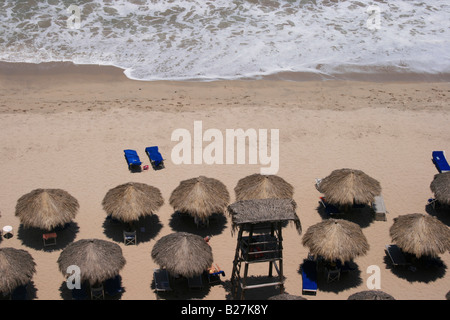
point(318, 181)
point(379, 208)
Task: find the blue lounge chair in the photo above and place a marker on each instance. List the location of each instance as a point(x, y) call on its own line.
point(113, 286)
point(155, 157)
point(309, 277)
point(132, 159)
point(440, 161)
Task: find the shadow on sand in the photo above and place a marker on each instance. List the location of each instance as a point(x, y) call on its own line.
point(424, 269)
point(147, 228)
point(32, 237)
point(181, 290)
point(362, 216)
point(180, 222)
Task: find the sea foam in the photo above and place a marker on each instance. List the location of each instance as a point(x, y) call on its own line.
point(230, 39)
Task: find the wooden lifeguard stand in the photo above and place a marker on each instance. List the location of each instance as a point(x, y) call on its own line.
point(259, 223)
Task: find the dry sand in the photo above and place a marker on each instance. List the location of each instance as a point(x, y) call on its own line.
point(68, 130)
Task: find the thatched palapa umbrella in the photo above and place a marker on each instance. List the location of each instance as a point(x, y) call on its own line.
point(420, 235)
point(286, 296)
point(17, 268)
point(259, 186)
point(371, 295)
point(264, 210)
point(349, 186)
point(130, 201)
point(440, 186)
point(183, 253)
point(46, 209)
point(200, 197)
point(336, 239)
point(97, 259)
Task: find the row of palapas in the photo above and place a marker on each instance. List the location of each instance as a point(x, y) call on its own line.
point(257, 195)
point(202, 196)
point(188, 255)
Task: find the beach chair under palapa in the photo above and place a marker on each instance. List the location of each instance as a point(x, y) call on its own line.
point(396, 255)
point(161, 279)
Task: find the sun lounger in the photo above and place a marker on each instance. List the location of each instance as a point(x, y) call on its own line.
point(161, 278)
point(333, 274)
point(330, 209)
point(97, 293)
point(155, 157)
point(132, 158)
point(440, 161)
point(129, 237)
point(49, 238)
point(195, 282)
point(318, 181)
point(379, 208)
point(309, 277)
point(396, 255)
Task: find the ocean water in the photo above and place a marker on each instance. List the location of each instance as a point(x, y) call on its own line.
point(230, 39)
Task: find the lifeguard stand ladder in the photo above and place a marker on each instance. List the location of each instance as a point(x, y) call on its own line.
point(262, 247)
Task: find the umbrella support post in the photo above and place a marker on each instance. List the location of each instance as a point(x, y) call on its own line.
point(265, 247)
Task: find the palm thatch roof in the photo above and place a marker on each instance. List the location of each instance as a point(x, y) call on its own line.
point(420, 235)
point(200, 197)
point(264, 210)
point(440, 186)
point(336, 239)
point(183, 253)
point(348, 187)
point(97, 259)
point(130, 201)
point(286, 296)
point(17, 267)
point(46, 208)
point(259, 186)
point(371, 295)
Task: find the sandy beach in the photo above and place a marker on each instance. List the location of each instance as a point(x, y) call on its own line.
point(67, 129)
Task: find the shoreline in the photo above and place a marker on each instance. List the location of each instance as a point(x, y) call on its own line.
point(13, 69)
point(65, 87)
